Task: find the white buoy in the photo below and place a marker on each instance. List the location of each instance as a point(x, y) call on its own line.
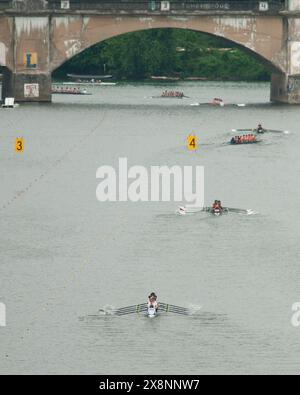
point(9, 102)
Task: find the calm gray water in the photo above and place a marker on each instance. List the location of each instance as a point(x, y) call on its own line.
point(64, 255)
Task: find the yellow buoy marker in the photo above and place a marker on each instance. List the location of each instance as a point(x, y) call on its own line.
point(19, 146)
point(192, 141)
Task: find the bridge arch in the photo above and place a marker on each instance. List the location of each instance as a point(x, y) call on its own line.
point(261, 38)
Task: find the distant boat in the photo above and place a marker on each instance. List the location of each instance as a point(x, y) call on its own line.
point(89, 77)
point(69, 91)
point(90, 83)
point(171, 95)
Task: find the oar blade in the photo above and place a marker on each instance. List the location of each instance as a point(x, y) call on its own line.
point(191, 209)
point(240, 211)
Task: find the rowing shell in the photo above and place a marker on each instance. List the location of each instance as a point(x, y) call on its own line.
point(246, 142)
point(183, 210)
point(151, 312)
point(250, 130)
point(170, 97)
point(219, 105)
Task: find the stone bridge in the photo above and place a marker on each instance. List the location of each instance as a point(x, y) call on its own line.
point(38, 36)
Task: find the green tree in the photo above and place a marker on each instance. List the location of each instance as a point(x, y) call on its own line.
point(184, 53)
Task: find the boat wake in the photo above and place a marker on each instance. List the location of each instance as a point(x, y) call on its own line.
point(194, 309)
point(106, 310)
point(251, 212)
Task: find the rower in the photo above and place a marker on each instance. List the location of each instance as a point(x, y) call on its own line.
point(152, 300)
point(217, 205)
point(220, 205)
point(218, 101)
point(260, 129)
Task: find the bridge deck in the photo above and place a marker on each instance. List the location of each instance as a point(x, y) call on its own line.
point(143, 6)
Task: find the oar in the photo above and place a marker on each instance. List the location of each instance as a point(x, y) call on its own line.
point(173, 308)
point(243, 130)
point(193, 209)
point(134, 308)
point(126, 308)
point(124, 313)
point(177, 308)
point(264, 130)
point(239, 210)
point(278, 131)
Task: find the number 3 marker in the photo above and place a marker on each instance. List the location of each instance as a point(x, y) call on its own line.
point(19, 144)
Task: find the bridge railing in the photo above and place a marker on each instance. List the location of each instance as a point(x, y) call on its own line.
point(5, 4)
point(147, 5)
point(168, 6)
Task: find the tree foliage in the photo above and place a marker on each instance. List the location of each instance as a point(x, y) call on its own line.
point(171, 52)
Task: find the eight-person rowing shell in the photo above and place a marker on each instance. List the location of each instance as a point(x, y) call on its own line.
point(244, 139)
point(216, 209)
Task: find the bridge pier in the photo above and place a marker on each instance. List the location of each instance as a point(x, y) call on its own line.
point(285, 89)
point(7, 83)
point(27, 87)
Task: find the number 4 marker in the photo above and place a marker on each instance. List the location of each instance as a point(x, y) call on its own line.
point(192, 142)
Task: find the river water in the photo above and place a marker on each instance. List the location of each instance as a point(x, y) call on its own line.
point(64, 255)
